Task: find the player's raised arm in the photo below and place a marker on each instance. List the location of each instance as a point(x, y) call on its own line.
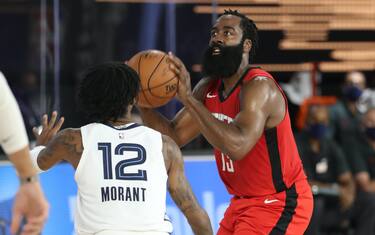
point(66, 145)
point(53, 146)
point(183, 128)
point(180, 190)
point(260, 100)
point(29, 201)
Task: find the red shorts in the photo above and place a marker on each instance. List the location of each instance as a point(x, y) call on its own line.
point(287, 212)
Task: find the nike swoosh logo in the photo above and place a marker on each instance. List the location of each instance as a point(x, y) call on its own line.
point(267, 201)
point(210, 96)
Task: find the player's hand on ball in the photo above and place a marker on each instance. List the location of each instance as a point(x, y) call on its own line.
point(158, 82)
point(49, 129)
point(184, 85)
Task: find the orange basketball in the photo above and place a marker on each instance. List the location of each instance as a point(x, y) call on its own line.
point(158, 82)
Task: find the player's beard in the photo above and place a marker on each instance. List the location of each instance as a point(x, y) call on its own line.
point(224, 64)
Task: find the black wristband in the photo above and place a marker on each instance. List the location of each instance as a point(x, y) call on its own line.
point(30, 179)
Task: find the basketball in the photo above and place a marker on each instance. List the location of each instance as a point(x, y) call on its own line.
point(158, 82)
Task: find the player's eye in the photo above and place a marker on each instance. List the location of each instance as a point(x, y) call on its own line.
point(213, 34)
point(227, 33)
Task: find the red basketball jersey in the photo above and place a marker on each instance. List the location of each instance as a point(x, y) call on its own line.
point(273, 164)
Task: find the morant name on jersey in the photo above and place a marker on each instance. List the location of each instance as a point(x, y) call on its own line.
point(117, 193)
point(121, 176)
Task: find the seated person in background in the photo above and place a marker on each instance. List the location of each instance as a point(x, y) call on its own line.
point(345, 118)
point(362, 157)
point(330, 178)
point(27, 95)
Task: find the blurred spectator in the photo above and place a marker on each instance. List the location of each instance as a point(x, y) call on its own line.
point(298, 89)
point(26, 94)
point(362, 157)
point(345, 116)
point(367, 100)
point(330, 177)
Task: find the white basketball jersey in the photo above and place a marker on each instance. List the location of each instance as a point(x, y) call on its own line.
point(121, 180)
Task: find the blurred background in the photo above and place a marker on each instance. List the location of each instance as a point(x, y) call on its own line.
point(45, 45)
point(322, 52)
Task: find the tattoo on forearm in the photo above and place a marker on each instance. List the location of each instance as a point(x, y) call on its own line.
point(67, 145)
point(184, 198)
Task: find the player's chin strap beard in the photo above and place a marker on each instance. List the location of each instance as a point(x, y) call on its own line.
point(224, 64)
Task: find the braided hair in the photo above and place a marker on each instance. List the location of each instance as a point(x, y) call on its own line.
point(107, 90)
point(250, 30)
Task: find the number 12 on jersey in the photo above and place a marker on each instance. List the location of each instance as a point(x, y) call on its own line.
point(106, 148)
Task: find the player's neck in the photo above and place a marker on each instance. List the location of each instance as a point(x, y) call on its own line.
point(121, 121)
point(230, 82)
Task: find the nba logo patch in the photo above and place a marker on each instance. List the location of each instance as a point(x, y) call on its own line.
point(121, 135)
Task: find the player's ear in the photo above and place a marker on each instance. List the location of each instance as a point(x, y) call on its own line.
point(247, 44)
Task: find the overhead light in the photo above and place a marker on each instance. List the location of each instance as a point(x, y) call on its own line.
point(326, 2)
point(311, 37)
point(352, 25)
point(354, 55)
point(290, 18)
point(346, 66)
point(318, 18)
point(286, 67)
point(303, 67)
point(259, 10)
point(304, 45)
point(300, 10)
point(306, 33)
point(334, 19)
point(246, 2)
point(193, 1)
point(272, 67)
point(294, 26)
point(305, 36)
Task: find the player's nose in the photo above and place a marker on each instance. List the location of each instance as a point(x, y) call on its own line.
point(218, 41)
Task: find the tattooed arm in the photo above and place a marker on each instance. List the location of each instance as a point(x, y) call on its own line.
point(66, 145)
point(63, 145)
point(180, 190)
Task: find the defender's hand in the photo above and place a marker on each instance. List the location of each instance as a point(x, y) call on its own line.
point(49, 129)
point(31, 204)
